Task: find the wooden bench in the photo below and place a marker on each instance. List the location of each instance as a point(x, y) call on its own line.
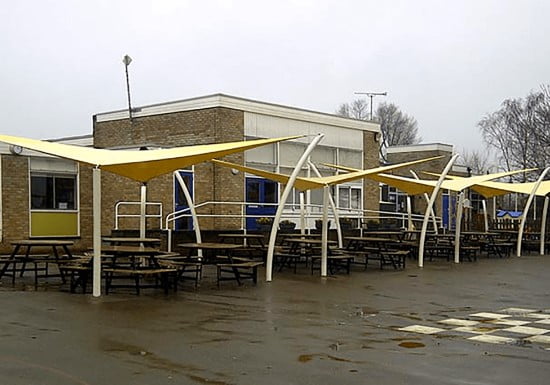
point(335, 263)
point(395, 258)
point(470, 252)
point(283, 260)
point(79, 271)
point(365, 252)
point(162, 273)
point(238, 271)
point(187, 268)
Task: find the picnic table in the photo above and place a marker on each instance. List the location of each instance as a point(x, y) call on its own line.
point(134, 262)
point(27, 257)
point(117, 241)
point(239, 268)
point(244, 239)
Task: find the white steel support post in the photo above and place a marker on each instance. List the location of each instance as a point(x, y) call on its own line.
point(430, 207)
point(458, 226)
point(409, 214)
point(427, 197)
point(191, 205)
point(143, 210)
point(96, 202)
point(333, 208)
point(302, 214)
point(281, 206)
point(526, 209)
point(324, 234)
point(543, 225)
point(485, 215)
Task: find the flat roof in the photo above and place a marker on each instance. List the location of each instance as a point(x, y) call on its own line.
point(421, 147)
point(238, 103)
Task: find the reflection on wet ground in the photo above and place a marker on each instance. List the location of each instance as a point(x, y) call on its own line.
point(297, 329)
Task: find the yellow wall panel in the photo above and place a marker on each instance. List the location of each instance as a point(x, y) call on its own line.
point(54, 224)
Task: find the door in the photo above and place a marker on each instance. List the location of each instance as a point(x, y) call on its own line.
point(180, 203)
point(449, 211)
point(258, 192)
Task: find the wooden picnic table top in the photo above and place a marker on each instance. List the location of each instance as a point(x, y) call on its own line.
point(369, 239)
point(130, 240)
point(130, 250)
point(41, 242)
point(241, 235)
point(385, 232)
point(209, 245)
point(308, 241)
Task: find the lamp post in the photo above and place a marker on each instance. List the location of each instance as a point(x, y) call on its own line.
point(127, 60)
point(371, 95)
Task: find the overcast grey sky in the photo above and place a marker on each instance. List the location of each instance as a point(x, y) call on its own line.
point(447, 63)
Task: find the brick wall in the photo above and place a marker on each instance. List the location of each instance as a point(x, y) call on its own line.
point(435, 166)
point(15, 199)
point(212, 125)
point(371, 191)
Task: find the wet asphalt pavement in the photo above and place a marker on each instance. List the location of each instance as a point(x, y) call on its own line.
point(299, 329)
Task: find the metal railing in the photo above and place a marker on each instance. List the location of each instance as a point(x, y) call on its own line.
point(292, 211)
point(120, 205)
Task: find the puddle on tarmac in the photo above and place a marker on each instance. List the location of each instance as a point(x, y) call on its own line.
point(303, 358)
point(153, 361)
point(411, 344)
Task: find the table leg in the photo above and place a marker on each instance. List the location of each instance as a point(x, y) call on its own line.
point(25, 261)
point(11, 260)
point(56, 256)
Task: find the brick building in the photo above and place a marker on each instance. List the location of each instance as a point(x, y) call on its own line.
point(44, 196)
point(445, 205)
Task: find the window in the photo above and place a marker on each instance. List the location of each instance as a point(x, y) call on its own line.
point(349, 197)
point(53, 192)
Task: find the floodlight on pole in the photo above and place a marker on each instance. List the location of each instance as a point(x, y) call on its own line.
point(127, 60)
point(371, 95)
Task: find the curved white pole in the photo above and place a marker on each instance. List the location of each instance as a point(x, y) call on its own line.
point(526, 209)
point(458, 226)
point(543, 225)
point(324, 234)
point(96, 190)
point(409, 214)
point(280, 207)
point(430, 207)
point(191, 205)
point(332, 207)
point(302, 214)
point(485, 215)
point(427, 197)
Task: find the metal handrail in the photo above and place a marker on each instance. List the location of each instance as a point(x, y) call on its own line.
point(344, 213)
point(118, 205)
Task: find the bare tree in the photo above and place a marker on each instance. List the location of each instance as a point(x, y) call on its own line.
point(476, 161)
point(519, 131)
point(397, 127)
point(358, 109)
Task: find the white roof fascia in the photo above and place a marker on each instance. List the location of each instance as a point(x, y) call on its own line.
point(421, 147)
point(221, 100)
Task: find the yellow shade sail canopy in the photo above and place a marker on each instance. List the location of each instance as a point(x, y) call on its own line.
point(490, 189)
point(304, 183)
point(420, 186)
point(139, 165)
